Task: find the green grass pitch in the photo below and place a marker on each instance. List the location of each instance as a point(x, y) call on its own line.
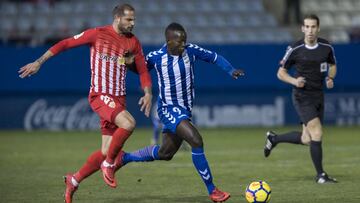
point(32, 166)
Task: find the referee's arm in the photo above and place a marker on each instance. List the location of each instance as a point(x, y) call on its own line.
point(331, 76)
point(332, 71)
point(284, 76)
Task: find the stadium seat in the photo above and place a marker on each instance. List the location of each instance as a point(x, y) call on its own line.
point(9, 9)
point(26, 9)
point(7, 24)
point(342, 19)
point(62, 8)
point(339, 36)
point(326, 20)
point(152, 17)
point(355, 21)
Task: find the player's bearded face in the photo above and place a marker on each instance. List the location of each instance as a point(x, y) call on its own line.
point(310, 29)
point(126, 22)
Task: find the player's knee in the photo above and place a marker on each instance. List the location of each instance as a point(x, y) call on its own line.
point(315, 131)
point(128, 124)
point(316, 135)
point(165, 156)
point(196, 142)
point(305, 140)
point(132, 123)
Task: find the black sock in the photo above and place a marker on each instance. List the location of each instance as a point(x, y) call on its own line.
point(316, 155)
point(290, 137)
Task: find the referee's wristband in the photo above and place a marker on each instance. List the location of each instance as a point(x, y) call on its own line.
point(331, 78)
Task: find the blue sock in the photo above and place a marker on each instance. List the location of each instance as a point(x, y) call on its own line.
point(202, 167)
point(149, 153)
point(156, 132)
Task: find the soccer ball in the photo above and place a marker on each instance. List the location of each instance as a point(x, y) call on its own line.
point(258, 192)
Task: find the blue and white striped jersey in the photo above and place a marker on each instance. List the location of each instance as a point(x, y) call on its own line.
point(176, 74)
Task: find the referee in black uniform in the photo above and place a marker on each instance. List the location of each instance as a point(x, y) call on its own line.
point(315, 64)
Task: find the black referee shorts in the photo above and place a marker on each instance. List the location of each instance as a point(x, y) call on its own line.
point(308, 105)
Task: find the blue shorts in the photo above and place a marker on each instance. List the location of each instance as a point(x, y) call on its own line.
point(171, 116)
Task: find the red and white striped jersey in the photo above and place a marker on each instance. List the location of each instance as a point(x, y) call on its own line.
point(107, 49)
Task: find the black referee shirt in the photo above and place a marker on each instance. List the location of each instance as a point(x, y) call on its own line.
point(312, 63)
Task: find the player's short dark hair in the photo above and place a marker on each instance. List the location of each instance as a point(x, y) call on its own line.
point(120, 9)
point(174, 27)
point(312, 17)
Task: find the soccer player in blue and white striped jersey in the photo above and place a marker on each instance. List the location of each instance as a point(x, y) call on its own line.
point(174, 64)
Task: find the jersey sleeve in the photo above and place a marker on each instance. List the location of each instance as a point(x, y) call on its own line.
point(150, 61)
point(224, 64)
point(202, 54)
point(331, 58)
point(145, 78)
point(211, 57)
point(288, 59)
point(86, 37)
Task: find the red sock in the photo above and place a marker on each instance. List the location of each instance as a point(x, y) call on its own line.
point(118, 139)
point(118, 160)
point(92, 165)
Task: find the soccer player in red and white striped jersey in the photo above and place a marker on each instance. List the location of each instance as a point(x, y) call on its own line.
point(111, 48)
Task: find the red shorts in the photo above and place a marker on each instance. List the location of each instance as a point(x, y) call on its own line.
point(107, 108)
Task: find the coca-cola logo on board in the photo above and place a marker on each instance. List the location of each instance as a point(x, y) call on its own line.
point(78, 116)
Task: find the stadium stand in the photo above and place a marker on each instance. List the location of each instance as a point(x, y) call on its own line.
point(208, 21)
point(338, 18)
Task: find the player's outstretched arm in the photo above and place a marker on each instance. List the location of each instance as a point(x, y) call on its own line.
point(33, 68)
point(284, 76)
point(85, 37)
point(227, 67)
point(145, 102)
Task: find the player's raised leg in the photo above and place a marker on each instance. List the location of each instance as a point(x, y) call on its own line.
point(126, 124)
point(170, 145)
point(272, 139)
point(293, 137)
point(189, 133)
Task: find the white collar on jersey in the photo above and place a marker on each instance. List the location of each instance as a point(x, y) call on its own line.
point(312, 47)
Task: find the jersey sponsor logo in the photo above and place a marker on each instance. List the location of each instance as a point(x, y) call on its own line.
point(78, 35)
point(323, 67)
point(108, 101)
point(108, 58)
point(121, 60)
